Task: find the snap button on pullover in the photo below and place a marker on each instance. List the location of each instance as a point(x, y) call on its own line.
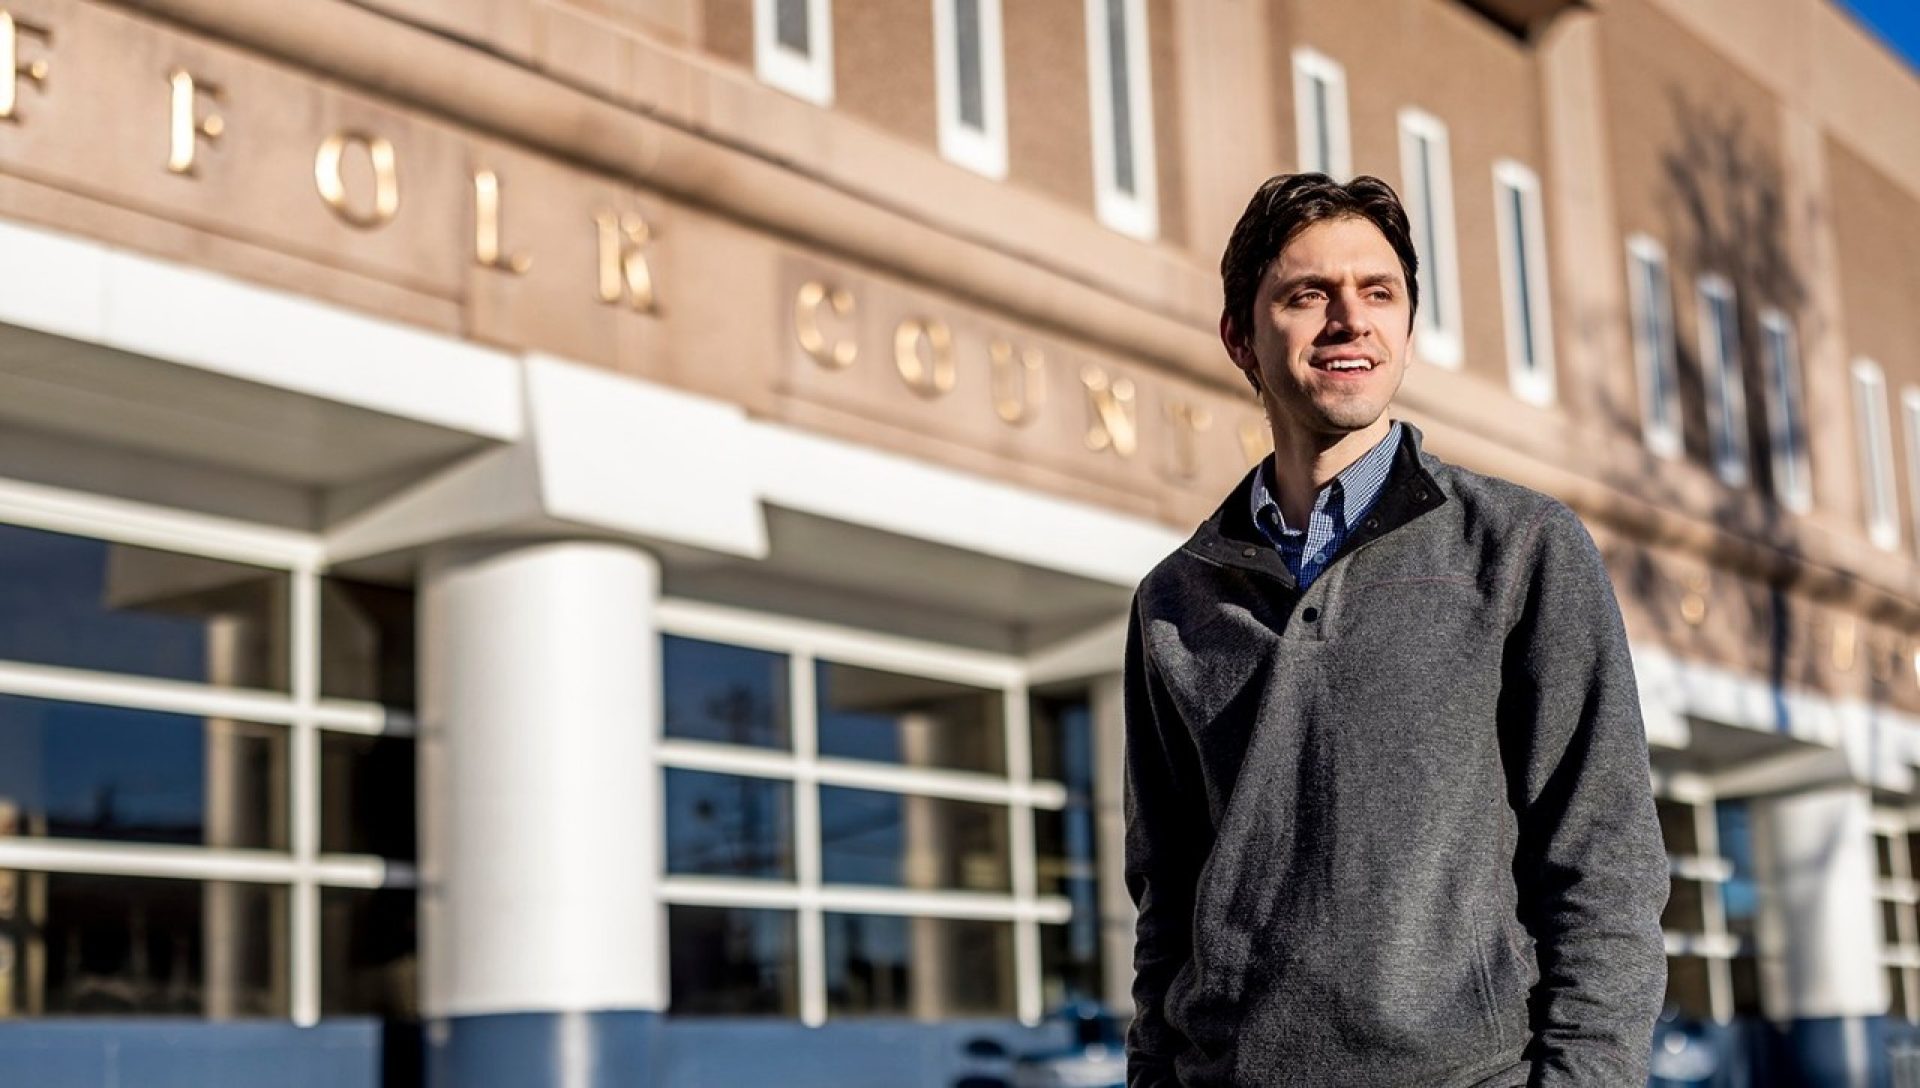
point(1310, 614)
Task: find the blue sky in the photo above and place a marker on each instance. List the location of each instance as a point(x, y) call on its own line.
point(1896, 21)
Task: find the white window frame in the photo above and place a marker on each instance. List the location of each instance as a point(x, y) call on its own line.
point(1534, 385)
point(1910, 418)
point(1786, 412)
point(301, 868)
point(982, 150)
point(1711, 871)
point(1136, 214)
point(1900, 890)
point(804, 642)
point(1871, 422)
point(1657, 362)
point(804, 75)
point(1725, 378)
point(1438, 330)
point(1310, 128)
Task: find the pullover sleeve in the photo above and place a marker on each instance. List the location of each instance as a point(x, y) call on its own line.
point(1167, 841)
point(1590, 866)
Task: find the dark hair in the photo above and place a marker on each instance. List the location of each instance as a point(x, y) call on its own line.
point(1286, 204)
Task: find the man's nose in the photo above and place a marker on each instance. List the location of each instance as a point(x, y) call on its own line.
point(1347, 313)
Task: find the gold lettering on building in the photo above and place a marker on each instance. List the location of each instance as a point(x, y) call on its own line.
point(332, 182)
point(186, 126)
point(1113, 413)
point(1255, 440)
point(486, 227)
point(934, 375)
point(12, 68)
point(1188, 423)
point(806, 324)
point(1019, 381)
point(624, 273)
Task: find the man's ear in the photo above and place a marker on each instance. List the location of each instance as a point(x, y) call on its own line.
point(1239, 350)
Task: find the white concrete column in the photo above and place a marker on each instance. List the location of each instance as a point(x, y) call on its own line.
point(539, 796)
point(1816, 855)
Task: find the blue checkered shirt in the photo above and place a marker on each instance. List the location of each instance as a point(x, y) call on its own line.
point(1344, 501)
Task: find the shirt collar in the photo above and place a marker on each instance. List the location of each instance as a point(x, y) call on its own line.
point(1359, 485)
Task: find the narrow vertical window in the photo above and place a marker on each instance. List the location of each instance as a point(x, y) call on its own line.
point(1786, 415)
point(972, 86)
point(1910, 416)
point(1523, 277)
point(1122, 100)
point(793, 47)
point(1876, 453)
point(1320, 114)
point(1655, 349)
point(1726, 388)
point(1427, 189)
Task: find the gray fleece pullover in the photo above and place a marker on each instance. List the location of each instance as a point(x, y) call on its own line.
point(1395, 830)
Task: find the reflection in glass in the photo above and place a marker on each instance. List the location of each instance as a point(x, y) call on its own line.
point(73, 770)
point(1070, 954)
point(367, 642)
point(1677, 827)
point(906, 841)
point(369, 963)
point(728, 694)
point(367, 795)
point(884, 716)
point(1686, 910)
point(729, 825)
point(732, 961)
point(1062, 729)
point(1741, 893)
point(926, 968)
point(1688, 987)
point(1064, 847)
point(87, 604)
point(83, 945)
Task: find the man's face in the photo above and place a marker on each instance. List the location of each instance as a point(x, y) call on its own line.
point(1330, 330)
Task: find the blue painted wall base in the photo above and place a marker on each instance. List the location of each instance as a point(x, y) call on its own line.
point(194, 1054)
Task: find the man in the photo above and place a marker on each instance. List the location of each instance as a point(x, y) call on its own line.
point(1389, 820)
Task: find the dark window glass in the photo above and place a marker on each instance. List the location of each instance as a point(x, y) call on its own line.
point(1062, 731)
point(1063, 847)
point(868, 714)
point(926, 968)
point(1686, 912)
point(75, 771)
point(1677, 827)
point(369, 960)
point(87, 604)
point(1428, 273)
point(1741, 894)
point(1070, 962)
point(729, 825)
point(367, 642)
point(1883, 853)
point(907, 841)
point(1120, 81)
point(967, 64)
point(1522, 276)
point(1746, 987)
point(1913, 855)
point(732, 961)
point(367, 795)
point(1897, 1006)
point(82, 945)
point(1890, 923)
point(790, 27)
point(1688, 988)
point(1656, 331)
point(728, 694)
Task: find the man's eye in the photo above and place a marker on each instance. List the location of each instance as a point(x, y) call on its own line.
point(1305, 298)
point(1380, 294)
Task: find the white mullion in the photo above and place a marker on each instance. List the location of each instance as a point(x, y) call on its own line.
point(304, 776)
point(884, 777)
point(124, 521)
point(858, 899)
point(1713, 907)
point(1028, 996)
point(811, 935)
point(144, 693)
point(366, 719)
point(148, 860)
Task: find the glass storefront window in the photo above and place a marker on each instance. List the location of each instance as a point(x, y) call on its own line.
point(368, 964)
point(926, 968)
point(908, 841)
point(86, 945)
point(1070, 962)
point(1689, 987)
point(366, 795)
point(90, 604)
point(910, 720)
point(1062, 729)
point(1064, 847)
point(1686, 909)
point(726, 694)
point(729, 825)
point(1677, 827)
point(367, 642)
point(732, 961)
point(81, 771)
